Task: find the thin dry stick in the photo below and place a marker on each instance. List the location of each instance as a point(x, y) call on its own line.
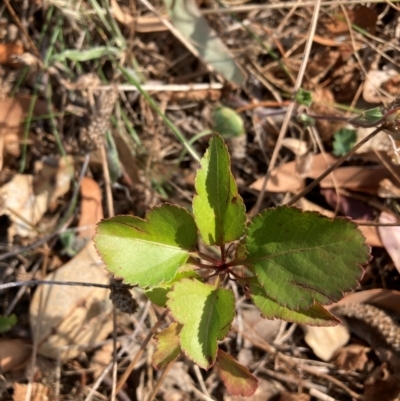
point(175, 31)
point(335, 165)
point(50, 282)
point(375, 223)
point(35, 347)
point(316, 372)
point(288, 4)
point(322, 150)
point(23, 30)
point(143, 345)
point(358, 58)
point(123, 349)
point(291, 106)
point(107, 180)
point(115, 364)
point(388, 166)
point(159, 382)
point(200, 380)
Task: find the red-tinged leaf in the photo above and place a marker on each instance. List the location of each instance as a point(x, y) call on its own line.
point(300, 258)
point(237, 378)
point(315, 315)
point(168, 347)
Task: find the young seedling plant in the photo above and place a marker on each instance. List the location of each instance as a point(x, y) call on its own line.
point(289, 263)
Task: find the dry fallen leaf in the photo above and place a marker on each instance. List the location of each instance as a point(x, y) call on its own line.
point(8, 50)
point(352, 357)
point(14, 354)
point(101, 358)
point(375, 79)
point(388, 299)
point(390, 236)
point(91, 209)
point(382, 385)
point(387, 189)
point(26, 197)
point(297, 146)
point(355, 210)
point(123, 16)
point(40, 392)
point(268, 389)
point(67, 317)
point(64, 317)
point(362, 16)
point(12, 113)
point(283, 179)
point(257, 328)
point(285, 396)
point(379, 142)
point(306, 205)
point(325, 341)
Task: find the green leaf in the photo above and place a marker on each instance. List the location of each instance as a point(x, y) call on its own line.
point(301, 257)
point(202, 41)
point(147, 252)
point(168, 347)
point(218, 208)
point(304, 97)
point(315, 315)
point(206, 314)
point(343, 141)
point(7, 323)
point(227, 122)
point(372, 115)
point(158, 295)
point(237, 379)
point(87, 55)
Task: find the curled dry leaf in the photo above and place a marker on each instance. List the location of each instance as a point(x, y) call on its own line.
point(375, 79)
point(382, 385)
point(393, 85)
